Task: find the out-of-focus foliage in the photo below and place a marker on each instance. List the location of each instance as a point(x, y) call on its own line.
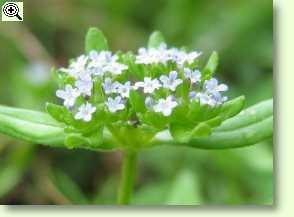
point(241, 31)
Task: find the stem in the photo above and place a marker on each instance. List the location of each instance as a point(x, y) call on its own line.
point(127, 177)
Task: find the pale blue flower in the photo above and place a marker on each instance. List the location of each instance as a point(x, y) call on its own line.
point(171, 82)
point(69, 95)
point(110, 87)
point(124, 89)
point(85, 86)
point(193, 76)
point(212, 86)
point(115, 68)
point(85, 112)
point(165, 106)
point(149, 85)
point(115, 104)
point(76, 67)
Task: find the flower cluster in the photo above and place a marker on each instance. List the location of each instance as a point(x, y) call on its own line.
point(83, 70)
point(159, 90)
point(163, 55)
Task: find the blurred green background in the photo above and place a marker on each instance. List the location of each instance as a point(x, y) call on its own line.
point(53, 31)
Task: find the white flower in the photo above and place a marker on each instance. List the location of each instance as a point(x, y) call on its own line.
point(106, 56)
point(109, 86)
point(77, 67)
point(69, 95)
point(165, 106)
point(189, 58)
point(85, 112)
point(212, 86)
point(211, 99)
point(206, 99)
point(85, 86)
point(124, 89)
point(171, 82)
point(98, 71)
point(193, 76)
point(115, 104)
point(98, 60)
point(103, 62)
point(115, 68)
point(148, 85)
point(152, 55)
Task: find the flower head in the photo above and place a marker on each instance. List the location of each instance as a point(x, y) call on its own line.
point(124, 89)
point(212, 86)
point(149, 85)
point(188, 57)
point(109, 86)
point(85, 86)
point(115, 68)
point(165, 106)
point(85, 112)
point(115, 104)
point(167, 67)
point(69, 95)
point(76, 68)
point(193, 76)
point(171, 82)
point(101, 59)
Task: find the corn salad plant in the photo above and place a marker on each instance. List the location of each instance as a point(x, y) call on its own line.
point(130, 101)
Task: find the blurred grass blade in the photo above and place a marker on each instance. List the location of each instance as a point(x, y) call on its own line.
point(68, 188)
point(11, 171)
point(95, 40)
point(155, 39)
point(184, 190)
point(31, 126)
point(247, 128)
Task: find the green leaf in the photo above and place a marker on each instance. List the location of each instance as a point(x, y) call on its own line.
point(251, 126)
point(68, 188)
point(184, 133)
point(28, 115)
point(181, 133)
point(31, 126)
point(184, 190)
point(59, 113)
point(155, 39)
point(210, 67)
point(154, 119)
point(40, 128)
point(202, 129)
point(251, 115)
point(232, 107)
point(92, 141)
point(95, 40)
point(137, 101)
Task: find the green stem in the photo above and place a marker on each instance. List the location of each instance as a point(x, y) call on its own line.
point(127, 177)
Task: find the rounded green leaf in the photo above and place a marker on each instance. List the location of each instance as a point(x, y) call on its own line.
point(95, 40)
point(155, 39)
point(210, 66)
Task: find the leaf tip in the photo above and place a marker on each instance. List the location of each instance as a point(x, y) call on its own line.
point(155, 39)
